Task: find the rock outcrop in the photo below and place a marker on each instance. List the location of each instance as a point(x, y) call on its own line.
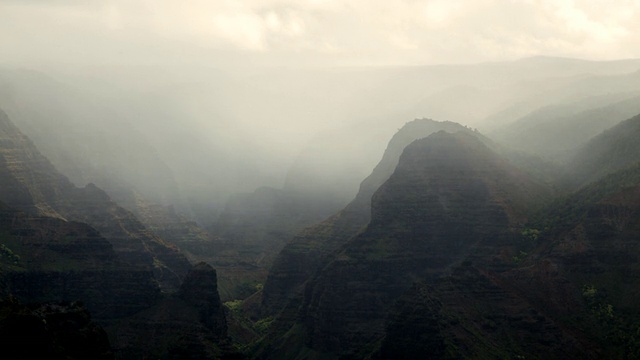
point(308, 250)
point(190, 324)
point(450, 200)
point(63, 243)
point(457, 263)
point(200, 290)
point(48, 259)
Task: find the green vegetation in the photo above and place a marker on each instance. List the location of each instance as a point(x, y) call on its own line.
point(242, 320)
point(531, 234)
point(618, 333)
point(8, 255)
point(589, 292)
point(262, 326)
point(520, 257)
point(235, 306)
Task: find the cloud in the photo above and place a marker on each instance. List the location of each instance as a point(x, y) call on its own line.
point(242, 30)
point(354, 32)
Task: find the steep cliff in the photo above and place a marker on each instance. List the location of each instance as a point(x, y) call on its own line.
point(47, 259)
point(31, 184)
point(306, 251)
point(455, 265)
point(586, 270)
point(475, 314)
point(450, 200)
point(189, 324)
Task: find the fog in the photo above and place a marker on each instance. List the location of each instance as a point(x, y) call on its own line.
point(189, 104)
point(318, 32)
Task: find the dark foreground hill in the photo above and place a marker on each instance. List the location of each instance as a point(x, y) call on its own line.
point(50, 331)
point(305, 253)
point(450, 201)
point(458, 261)
point(60, 243)
point(30, 183)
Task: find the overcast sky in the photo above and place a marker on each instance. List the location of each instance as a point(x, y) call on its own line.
point(315, 32)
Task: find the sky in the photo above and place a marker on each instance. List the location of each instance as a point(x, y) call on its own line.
point(314, 32)
point(249, 85)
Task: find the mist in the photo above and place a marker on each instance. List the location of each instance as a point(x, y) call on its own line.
point(189, 105)
point(376, 179)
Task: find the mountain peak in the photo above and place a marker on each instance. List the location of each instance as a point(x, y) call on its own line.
point(200, 289)
point(447, 166)
point(451, 199)
point(297, 262)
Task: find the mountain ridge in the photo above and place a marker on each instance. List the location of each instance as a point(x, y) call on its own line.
point(298, 259)
point(437, 209)
point(36, 187)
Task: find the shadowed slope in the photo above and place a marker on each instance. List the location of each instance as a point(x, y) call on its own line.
point(32, 184)
point(303, 255)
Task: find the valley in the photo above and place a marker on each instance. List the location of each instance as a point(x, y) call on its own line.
point(485, 211)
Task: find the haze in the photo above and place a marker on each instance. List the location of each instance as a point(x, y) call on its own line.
point(196, 102)
point(331, 32)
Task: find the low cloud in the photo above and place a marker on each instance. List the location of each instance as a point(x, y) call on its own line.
point(352, 32)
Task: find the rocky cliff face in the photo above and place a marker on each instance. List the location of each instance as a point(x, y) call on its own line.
point(568, 297)
point(450, 200)
point(43, 259)
point(47, 259)
point(306, 252)
point(200, 289)
point(586, 269)
point(67, 243)
point(31, 184)
point(189, 324)
point(454, 265)
point(474, 314)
